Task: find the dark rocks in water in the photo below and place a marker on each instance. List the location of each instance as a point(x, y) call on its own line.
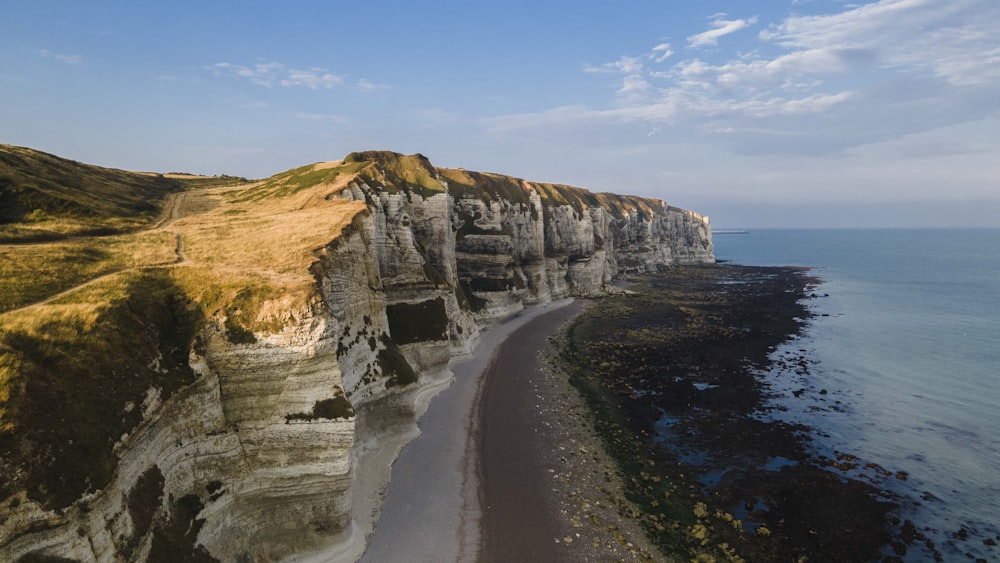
point(673, 382)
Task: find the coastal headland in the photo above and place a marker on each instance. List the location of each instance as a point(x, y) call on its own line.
point(214, 368)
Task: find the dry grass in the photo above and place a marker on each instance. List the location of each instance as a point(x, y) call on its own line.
point(70, 361)
point(70, 369)
point(70, 365)
point(328, 165)
point(273, 238)
point(31, 273)
point(264, 242)
point(57, 228)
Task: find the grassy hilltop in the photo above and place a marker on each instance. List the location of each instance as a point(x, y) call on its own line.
point(45, 197)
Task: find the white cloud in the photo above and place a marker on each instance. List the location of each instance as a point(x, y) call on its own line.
point(272, 74)
point(957, 40)
point(312, 78)
point(368, 86)
point(624, 65)
point(634, 85)
point(661, 52)
point(818, 84)
point(68, 59)
point(720, 27)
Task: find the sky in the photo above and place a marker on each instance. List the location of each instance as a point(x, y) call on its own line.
point(792, 113)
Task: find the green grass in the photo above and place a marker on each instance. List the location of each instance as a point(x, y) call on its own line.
point(192, 181)
point(555, 194)
point(237, 297)
point(484, 186)
point(44, 197)
point(74, 372)
point(60, 197)
point(294, 181)
point(398, 172)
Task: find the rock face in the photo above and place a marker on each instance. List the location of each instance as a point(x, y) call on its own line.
point(282, 445)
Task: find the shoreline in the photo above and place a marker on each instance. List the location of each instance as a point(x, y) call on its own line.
point(673, 374)
point(631, 435)
point(434, 486)
point(550, 492)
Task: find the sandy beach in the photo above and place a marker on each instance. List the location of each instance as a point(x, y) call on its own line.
point(550, 492)
point(633, 433)
point(508, 465)
point(432, 506)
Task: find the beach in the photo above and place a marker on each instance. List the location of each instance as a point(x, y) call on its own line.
point(496, 475)
point(550, 492)
point(432, 507)
point(633, 427)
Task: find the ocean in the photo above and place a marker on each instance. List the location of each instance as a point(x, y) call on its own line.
point(904, 353)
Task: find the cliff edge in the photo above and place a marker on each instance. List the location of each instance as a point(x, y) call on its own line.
point(234, 382)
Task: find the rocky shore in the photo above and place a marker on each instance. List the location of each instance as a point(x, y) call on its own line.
point(549, 490)
point(647, 435)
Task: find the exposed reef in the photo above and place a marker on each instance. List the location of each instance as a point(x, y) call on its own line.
point(275, 438)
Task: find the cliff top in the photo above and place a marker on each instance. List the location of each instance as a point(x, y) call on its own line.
point(91, 321)
point(414, 173)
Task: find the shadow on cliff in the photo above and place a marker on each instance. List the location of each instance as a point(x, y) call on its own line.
point(80, 376)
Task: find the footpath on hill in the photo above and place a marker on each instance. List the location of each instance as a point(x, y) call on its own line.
point(171, 212)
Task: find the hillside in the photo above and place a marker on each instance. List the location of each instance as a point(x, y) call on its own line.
point(45, 197)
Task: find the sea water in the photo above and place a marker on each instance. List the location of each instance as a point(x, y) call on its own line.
point(906, 343)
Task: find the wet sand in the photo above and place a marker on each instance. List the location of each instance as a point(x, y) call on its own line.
point(516, 481)
point(432, 508)
point(549, 491)
point(664, 380)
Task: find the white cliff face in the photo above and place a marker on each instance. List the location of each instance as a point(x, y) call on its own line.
point(218, 469)
point(282, 446)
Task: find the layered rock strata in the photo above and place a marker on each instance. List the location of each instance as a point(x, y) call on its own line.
point(281, 447)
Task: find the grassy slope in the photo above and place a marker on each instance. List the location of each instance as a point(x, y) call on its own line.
point(44, 197)
point(75, 370)
point(416, 174)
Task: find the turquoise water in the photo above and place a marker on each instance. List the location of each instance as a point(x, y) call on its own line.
point(907, 346)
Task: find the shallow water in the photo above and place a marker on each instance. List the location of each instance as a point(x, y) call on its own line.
point(907, 346)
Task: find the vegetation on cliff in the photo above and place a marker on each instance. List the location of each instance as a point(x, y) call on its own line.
point(77, 376)
point(96, 327)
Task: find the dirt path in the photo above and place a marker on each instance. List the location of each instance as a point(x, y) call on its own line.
point(176, 201)
point(172, 212)
point(171, 209)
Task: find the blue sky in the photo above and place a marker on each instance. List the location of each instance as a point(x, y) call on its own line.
point(766, 113)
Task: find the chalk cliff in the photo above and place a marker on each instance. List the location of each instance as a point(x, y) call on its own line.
point(280, 446)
